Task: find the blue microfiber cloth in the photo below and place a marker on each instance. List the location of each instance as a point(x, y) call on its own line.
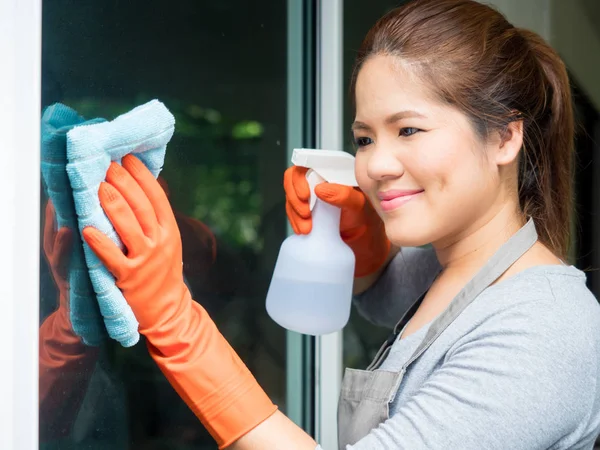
point(144, 131)
point(57, 121)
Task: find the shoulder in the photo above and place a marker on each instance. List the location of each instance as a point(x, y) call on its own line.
point(547, 320)
point(549, 298)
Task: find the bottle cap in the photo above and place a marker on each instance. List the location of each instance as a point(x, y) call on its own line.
point(332, 166)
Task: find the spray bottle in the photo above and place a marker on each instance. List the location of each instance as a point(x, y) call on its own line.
point(311, 288)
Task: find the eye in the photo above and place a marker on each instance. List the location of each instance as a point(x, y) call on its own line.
point(362, 141)
point(408, 131)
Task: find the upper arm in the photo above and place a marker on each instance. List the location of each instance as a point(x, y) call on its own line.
point(503, 386)
point(406, 278)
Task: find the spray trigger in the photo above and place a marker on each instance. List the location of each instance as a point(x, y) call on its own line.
point(313, 179)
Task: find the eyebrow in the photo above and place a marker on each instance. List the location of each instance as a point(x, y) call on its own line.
point(391, 119)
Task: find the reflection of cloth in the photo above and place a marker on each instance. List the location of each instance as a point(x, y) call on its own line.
point(57, 120)
point(90, 148)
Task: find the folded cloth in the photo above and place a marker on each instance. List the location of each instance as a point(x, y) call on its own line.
point(143, 131)
point(84, 313)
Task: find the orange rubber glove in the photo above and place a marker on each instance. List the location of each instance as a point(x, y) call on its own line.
point(360, 226)
point(182, 339)
point(65, 363)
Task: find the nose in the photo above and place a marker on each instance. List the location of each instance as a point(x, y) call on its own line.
point(384, 164)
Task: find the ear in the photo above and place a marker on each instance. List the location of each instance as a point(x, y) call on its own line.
point(510, 143)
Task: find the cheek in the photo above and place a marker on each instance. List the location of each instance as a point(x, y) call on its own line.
point(447, 164)
point(431, 166)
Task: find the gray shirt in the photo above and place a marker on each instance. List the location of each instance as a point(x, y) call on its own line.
point(518, 369)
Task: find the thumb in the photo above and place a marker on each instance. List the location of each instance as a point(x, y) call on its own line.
point(49, 230)
point(341, 196)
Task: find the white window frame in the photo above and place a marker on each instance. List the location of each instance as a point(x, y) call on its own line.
point(20, 98)
point(330, 82)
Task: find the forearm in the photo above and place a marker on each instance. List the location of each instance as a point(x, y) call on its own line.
point(276, 432)
point(65, 367)
point(363, 283)
point(62, 356)
point(208, 375)
point(407, 275)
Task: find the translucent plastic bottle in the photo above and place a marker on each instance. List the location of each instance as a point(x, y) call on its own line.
point(311, 288)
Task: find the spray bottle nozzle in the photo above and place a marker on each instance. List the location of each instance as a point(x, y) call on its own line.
point(332, 166)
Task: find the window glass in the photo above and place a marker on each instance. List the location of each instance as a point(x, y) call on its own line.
point(220, 68)
point(362, 339)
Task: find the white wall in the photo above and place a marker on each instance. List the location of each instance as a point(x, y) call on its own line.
point(568, 27)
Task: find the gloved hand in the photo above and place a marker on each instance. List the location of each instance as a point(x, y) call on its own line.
point(182, 339)
point(360, 226)
point(65, 363)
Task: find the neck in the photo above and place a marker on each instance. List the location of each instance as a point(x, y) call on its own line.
point(475, 245)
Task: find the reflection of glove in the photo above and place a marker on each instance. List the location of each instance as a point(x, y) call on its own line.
point(181, 337)
point(57, 249)
point(360, 226)
point(65, 363)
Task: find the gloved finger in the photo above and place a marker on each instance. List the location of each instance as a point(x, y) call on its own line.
point(341, 196)
point(297, 191)
point(63, 244)
point(120, 179)
point(300, 182)
point(49, 230)
point(304, 226)
point(299, 225)
point(106, 250)
point(122, 218)
point(152, 189)
point(350, 234)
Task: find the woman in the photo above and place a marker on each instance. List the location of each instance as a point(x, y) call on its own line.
point(464, 133)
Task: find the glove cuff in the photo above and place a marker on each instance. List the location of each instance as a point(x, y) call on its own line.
point(210, 377)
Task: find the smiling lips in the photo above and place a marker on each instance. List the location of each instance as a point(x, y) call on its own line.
point(393, 199)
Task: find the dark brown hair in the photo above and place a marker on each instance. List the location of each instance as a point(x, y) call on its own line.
point(474, 59)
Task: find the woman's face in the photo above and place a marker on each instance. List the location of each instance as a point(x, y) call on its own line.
point(419, 160)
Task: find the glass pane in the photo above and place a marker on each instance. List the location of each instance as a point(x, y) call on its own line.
point(362, 339)
point(220, 68)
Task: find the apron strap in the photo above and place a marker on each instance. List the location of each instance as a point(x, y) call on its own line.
point(499, 263)
point(383, 351)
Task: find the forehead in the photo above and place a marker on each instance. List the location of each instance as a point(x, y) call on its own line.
point(386, 84)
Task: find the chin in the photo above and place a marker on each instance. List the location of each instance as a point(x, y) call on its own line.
point(412, 230)
point(405, 235)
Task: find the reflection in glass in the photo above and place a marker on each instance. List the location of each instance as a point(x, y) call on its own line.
point(362, 339)
point(65, 364)
point(220, 68)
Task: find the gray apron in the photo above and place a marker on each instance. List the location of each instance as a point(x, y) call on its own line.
point(366, 394)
